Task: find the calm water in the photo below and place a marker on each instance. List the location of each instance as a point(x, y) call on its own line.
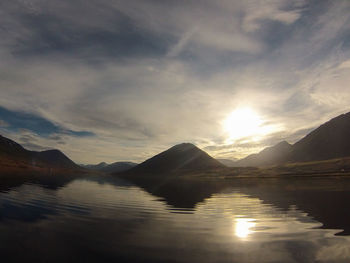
point(106, 220)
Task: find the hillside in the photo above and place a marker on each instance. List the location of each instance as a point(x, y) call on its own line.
point(329, 141)
point(269, 156)
point(54, 158)
point(15, 158)
point(13, 149)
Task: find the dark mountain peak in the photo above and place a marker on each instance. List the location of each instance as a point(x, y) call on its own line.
point(283, 144)
point(101, 165)
point(55, 158)
point(181, 157)
point(184, 146)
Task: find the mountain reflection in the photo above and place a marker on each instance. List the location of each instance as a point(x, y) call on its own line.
point(104, 219)
point(324, 199)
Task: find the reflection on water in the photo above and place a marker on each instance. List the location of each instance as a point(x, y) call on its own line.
point(243, 227)
point(106, 219)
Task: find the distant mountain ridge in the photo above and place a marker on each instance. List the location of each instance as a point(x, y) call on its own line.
point(181, 157)
point(228, 162)
point(115, 167)
point(14, 152)
point(330, 140)
point(96, 167)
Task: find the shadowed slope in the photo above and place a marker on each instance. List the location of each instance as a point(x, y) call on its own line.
point(15, 158)
point(13, 149)
point(54, 158)
point(329, 141)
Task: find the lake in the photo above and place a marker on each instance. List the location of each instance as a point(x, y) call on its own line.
point(106, 219)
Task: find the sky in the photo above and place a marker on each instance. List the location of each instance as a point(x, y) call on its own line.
point(118, 80)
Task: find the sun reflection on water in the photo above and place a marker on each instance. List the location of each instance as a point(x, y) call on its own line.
point(243, 227)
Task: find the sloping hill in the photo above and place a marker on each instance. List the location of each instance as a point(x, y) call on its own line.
point(271, 155)
point(181, 157)
point(329, 141)
point(13, 149)
point(13, 156)
point(54, 158)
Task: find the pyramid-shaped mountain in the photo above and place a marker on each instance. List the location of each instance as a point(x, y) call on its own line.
point(179, 158)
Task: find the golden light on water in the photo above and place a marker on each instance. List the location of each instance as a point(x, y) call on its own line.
point(245, 123)
point(242, 227)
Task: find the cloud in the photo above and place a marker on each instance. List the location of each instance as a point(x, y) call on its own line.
point(286, 12)
point(16, 120)
point(119, 80)
point(3, 123)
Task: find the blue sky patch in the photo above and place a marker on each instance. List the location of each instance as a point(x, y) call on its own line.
point(16, 121)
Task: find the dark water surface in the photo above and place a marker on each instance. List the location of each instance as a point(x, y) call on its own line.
point(106, 219)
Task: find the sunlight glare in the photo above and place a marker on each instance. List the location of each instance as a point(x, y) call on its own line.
point(243, 123)
point(243, 227)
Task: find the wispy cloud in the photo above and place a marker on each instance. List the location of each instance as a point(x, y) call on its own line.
point(143, 75)
point(3, 123)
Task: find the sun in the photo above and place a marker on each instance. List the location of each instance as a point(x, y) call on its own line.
point(244, 123)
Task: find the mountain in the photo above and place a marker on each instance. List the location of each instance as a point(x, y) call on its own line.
point(270, 155)
point(11, 148)
point(13, 156)
point(118, 167)
point(184, 157)
point(228, 162)
point(330, 140)
point(95, 167)
point(54, 158)
point(112, 168)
